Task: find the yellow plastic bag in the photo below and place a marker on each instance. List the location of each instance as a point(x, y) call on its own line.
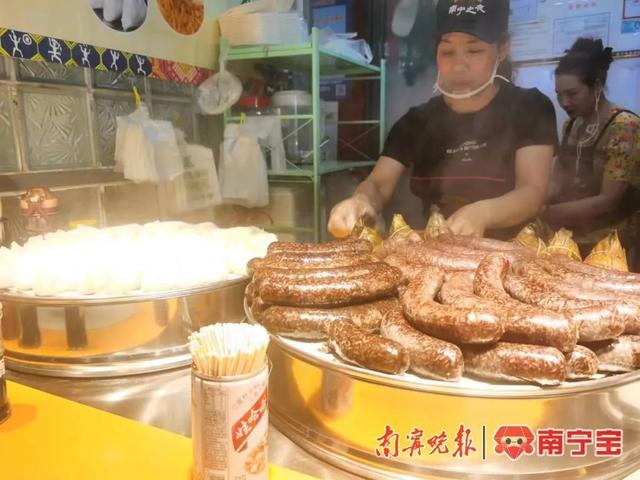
point(562, 243)
point(436, 225)
point(363, 232)
point(399, 227)
point(528, 238)
point(609, 253)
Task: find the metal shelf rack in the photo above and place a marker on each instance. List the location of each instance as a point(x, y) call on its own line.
point(311, 57)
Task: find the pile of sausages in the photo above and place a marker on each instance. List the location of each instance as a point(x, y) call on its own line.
point(517, 316)
point(450, 306)
point(336, 291)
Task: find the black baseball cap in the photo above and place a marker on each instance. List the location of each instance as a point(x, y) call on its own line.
point(486, 19)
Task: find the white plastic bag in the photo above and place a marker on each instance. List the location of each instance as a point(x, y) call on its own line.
point(112, 10)
point(147, 150)
point(243, 169)
point(346, 44)
point(167, 161)
point(218, 93)
point(133, 13)
point(198, 187)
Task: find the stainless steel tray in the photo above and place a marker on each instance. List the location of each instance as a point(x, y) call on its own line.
point(8, 295)
point(338, 412)
point(103, 336)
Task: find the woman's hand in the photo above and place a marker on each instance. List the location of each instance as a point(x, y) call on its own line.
point(346, 214)
point(469, 220)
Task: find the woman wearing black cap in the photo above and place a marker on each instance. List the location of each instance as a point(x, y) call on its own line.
point(482, 150)
point(598, 168)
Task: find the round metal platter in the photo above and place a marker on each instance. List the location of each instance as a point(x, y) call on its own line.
point(73, 298)
point(318, 353)
point(341, 413)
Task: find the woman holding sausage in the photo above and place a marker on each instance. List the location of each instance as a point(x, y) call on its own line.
point(481, 150)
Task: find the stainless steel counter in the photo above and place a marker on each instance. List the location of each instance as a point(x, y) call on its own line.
point(163, 400)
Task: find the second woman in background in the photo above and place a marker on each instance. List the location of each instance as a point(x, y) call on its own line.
point(597, 176)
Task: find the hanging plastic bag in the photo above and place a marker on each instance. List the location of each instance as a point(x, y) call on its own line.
point(133, 14)
point(133, 152)
point(218, 93)
point(243, 169)
point(146, 150)
point(167, 161)
point(198, 187)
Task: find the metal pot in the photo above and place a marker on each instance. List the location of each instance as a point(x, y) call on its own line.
point(95, 336)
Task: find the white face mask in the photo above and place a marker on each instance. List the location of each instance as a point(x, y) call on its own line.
point(469, 93)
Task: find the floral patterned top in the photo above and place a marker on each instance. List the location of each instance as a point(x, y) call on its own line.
point(617, 153)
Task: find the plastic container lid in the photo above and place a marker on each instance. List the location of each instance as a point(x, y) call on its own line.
point(254, 102)
point(292, 98)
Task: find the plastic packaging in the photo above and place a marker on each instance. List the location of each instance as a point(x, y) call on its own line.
point(147, 150)
point(243, 169)
point(346, 44)
point(218, 93)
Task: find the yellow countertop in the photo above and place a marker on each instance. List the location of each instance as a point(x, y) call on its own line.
point(51, 438)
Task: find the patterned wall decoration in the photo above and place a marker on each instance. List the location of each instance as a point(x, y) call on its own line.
point(23, 45)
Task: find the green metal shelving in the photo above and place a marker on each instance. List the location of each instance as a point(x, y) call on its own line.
point(320, 62)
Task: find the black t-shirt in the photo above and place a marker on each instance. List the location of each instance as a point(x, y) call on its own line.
point(460, 158)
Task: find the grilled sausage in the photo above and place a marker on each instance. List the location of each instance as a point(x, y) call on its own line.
point(454, 324)
point(619, 355)
point(593, 277)
point(582, 363)
point(486, 244)
point(516, 362)
point(429, 357)
point(595, 320)
point(280, 275)
point(409, 270)
point(381, 282)
point(310, 323)
point(578, 286)
point(398, 243)
point(336, 246)
point(428, 255)
point(355, 345)
point(300, 261)
point(523, 323)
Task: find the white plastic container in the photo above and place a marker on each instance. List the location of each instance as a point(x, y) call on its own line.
point(297, 133)
point(263, 29)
